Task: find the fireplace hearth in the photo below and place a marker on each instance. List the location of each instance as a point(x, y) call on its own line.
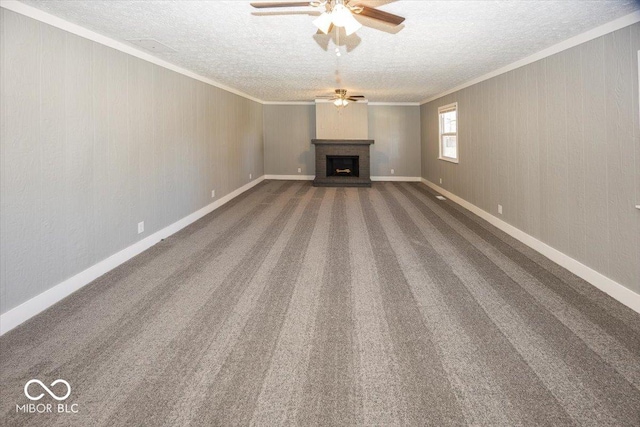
point(342, 163)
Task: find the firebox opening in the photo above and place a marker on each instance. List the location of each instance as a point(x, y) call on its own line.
point(343, 166)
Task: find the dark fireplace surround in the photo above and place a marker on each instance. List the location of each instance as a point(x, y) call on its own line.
point(342, 162)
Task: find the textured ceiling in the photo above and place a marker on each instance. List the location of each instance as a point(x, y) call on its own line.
point(275, 55)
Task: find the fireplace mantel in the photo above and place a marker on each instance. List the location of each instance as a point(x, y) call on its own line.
point(344, 148)
point(342, 141)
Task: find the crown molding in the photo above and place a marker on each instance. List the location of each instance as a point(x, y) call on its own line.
point(39, 15)
point(47, 18)
point(396, 104)
point(594, 33)
point(391, 104)
point(289, 103)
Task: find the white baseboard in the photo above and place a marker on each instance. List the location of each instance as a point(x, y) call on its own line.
point(291, 177)
point(373, 178)
point(396, 178)
point(625, 295)
point(39, 303)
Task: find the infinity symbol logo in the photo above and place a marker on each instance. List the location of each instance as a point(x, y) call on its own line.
point(45, 388)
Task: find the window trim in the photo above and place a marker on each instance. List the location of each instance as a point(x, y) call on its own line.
point(444, 109)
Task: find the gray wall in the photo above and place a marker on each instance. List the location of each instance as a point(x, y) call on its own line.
point(557, 143)
point(396, 131)
point(288, 130)
point(344, 123)
point(93, 141)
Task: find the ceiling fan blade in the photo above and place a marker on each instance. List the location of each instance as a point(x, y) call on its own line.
point(357, 96)
point(263, 5)
point(380, 15)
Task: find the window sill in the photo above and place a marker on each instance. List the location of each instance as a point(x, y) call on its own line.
point(449, 159)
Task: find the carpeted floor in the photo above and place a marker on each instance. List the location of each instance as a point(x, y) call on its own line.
point(295, 305)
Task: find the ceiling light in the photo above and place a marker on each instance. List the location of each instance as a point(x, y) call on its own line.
point(351, 25)
point(340, 102)
point(323, 22)
point(341, 16)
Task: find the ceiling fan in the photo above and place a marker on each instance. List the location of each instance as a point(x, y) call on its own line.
point(338, 13)
point(340, 99)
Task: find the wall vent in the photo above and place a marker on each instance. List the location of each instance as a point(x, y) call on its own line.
point(151, 45)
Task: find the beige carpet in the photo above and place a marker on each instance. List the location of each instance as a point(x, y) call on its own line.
point(295, 305)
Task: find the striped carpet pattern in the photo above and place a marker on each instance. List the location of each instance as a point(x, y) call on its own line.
point(295, 305)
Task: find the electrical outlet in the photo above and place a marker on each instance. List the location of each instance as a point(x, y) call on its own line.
point(213, 193)
point(393, 171)
point(299, 170)
point(250, 176)
point(440, 180)
point(500, 209)
point(141, 227)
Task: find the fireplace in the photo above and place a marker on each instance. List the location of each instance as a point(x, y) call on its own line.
point(343, 166)
point(342, 162)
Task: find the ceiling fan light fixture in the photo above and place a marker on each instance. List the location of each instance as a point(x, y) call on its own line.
point(341, 16)
point(323, 22)
point(351, 25)
point(340, 102)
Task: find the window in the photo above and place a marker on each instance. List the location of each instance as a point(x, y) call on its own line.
point(449, 132)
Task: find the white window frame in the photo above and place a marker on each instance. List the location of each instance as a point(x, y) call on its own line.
point(444, 109)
